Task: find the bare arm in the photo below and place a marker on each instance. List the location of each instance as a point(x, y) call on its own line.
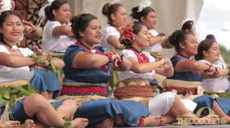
point(36, 34)
point(15, 61)
point(189, 65)
point(126, 65)
point(87, 60)
point(62, 30)
point(143, 67)
point(166, 45)
point(154, 40)
point(59, 64)
point(115, 42)
point(166, 70)
point(220, 72)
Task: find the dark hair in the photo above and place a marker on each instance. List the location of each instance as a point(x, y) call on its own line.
point(136, 29)
point(3, 17)
point(187, 25)
point(203, 46)
point(176, 38)
point(80, 23)
point(138, 15)
point(108, 9)
point(54, 6)
point(210, 37)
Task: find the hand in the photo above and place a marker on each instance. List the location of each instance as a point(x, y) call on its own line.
point(162, 60)
point(40, 54)
point(165, 37)
point(30, 27)
point(167, 64)
point(115, 57)
point(210, 72)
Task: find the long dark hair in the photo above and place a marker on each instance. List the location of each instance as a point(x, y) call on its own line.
point(3, 17)
point(54, 6)
point(80, 23)
point(204, 45)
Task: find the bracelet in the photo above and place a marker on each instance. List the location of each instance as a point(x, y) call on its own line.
point(34, 30)
point(120, 62)
point(141, 122)
point(109, 56)
point(162, 40)
point(25, 28)
point(209, 68)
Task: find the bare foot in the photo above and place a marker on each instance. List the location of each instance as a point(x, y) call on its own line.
point(107, 123)
point(151, 121)
point(79, 123)
point(10, 124)
point(28, 124)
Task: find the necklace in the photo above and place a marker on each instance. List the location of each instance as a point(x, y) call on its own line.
point(12, 48)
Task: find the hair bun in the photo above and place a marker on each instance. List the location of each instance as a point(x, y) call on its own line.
point(175, 37)
point(105, 9)
point(135, 14)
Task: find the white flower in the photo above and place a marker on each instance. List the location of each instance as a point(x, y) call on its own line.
point(114, 2)
point(144, 4)
point(6, 5)
point(41, 14)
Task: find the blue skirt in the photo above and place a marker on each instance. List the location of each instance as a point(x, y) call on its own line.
point(207, 101)
point(43, 81)
point(19, 113)
point(99, 110)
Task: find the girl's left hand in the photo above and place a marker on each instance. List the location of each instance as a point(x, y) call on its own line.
point(30, 27)
point(167, 64)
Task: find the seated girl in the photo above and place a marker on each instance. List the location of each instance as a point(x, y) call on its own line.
point(186, 69)
point(209, 53)
point(190, 26)
point(135, 82)
point(56, 35)
point(86, 74)
point(14, 66)
point(147, 15)
point(14, 62)
point(116, 14)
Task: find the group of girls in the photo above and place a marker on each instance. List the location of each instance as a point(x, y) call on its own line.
point(87, 70)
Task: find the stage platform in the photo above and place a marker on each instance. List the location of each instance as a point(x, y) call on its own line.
point(190, 126)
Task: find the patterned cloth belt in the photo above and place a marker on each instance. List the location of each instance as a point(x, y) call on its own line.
point(83, 89)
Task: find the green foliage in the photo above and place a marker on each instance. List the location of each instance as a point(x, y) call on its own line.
point(225, 53)
point(67, 123)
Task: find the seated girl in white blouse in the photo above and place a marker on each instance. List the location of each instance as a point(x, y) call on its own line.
point(116, 14)
point(56, 35)
point(14, 61)
point(135, 82)
point(209, 52)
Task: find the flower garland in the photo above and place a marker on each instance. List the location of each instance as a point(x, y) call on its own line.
point(126, 32)
point(38, 60)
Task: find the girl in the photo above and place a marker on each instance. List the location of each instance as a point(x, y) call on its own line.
point(116, 14)
point(188, 70)
point(208, 52)
point(148, 16)
point(86, 76)
point(30, 31)
point(14, 66)
point(56, 35)
point(15, 61)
